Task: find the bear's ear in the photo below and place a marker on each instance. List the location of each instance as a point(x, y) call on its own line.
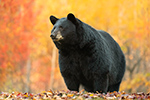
point(72, 18)
point(53, 19)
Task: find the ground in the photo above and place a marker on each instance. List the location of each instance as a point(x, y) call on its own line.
point(73, 95)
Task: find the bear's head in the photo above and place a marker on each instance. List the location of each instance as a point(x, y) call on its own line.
point(64, 29)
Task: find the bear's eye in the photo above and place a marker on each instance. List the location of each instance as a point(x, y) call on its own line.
point(60, 27)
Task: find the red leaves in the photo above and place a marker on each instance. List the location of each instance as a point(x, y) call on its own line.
point(15, 38)
point(16, 23)
point(69, 95)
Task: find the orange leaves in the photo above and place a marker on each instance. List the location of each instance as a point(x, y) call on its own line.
point(139, 80)
point(14, 34)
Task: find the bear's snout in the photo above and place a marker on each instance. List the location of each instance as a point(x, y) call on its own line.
point(56, 36)
point(52, 36)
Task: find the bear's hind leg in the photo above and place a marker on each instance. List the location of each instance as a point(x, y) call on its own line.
point(113, 88)
point(101, 83)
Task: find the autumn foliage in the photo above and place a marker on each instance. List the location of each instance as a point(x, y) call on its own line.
point(16, 34)
point(28, 61)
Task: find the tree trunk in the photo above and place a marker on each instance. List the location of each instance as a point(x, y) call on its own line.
point(27, 89)
point(53, 64)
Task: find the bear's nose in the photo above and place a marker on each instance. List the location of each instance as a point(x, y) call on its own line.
point(52, 36)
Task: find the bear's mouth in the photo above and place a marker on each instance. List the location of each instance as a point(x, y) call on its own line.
point(58, 38)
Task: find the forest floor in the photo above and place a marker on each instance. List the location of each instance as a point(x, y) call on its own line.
point(73, 95)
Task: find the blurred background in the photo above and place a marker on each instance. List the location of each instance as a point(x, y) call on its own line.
point(29, 59)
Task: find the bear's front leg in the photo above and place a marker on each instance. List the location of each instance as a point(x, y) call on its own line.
point(72, 83)
point(101, 83)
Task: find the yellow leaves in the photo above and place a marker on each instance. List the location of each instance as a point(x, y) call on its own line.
point(147, 84)
point(91, 95)
point(70, 95)
point(26, 95)
point(147, 75)
point(137, 81)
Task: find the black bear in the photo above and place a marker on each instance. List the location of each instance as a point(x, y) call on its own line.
point(87, 57)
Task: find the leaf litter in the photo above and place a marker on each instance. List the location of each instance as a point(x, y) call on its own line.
point(74, 95)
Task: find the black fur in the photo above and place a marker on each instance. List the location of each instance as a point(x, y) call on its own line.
point(88, 56)
point(53, 19)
